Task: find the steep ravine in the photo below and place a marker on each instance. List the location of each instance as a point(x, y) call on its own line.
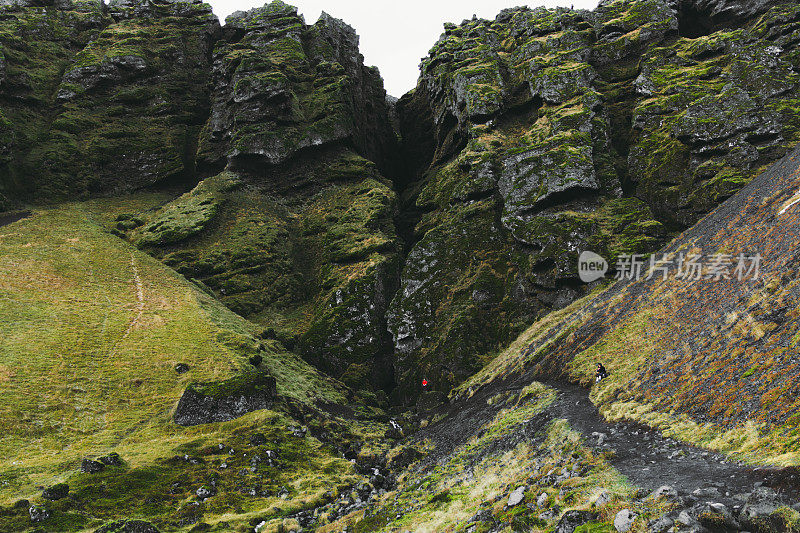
point(529, 138)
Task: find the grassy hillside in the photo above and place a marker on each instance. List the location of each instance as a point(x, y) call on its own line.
point(91, 330)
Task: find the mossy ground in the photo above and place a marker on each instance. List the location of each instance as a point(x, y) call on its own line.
point(92, 329)
point(476, 478)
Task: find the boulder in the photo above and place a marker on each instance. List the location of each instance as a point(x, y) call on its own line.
point(573, 519)
point(56, 492)
point(717, 517)
point(660, 525)
point(686, 519)
point(516, 496)
point(38, 514)
point(205, 492)
point(602, 499)
point(203, 403)
point(395, 431)
point(665, 492)
point(758, 512)
point(623, 521)
point(541, 501)
point(89, 466)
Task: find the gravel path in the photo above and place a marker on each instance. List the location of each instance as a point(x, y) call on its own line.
point(649, 460)
point(641, 454)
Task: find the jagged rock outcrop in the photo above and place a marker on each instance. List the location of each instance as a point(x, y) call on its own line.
point(102, 99)
point(521, 172)
point(712, 111)
point(281, 87)
point(203, 403)
point(550, 132)
point(38, 40)
point(132, 103)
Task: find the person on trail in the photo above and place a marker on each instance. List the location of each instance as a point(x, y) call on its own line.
point(601, 373)
point(424, 384)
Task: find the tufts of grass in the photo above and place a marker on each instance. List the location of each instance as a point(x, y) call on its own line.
point(91, 329)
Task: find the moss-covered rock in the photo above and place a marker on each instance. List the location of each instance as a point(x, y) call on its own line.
point(577, 131)
point(203, 403)
point(311, 252)
point(36, 45)
point(281, 86)
point(514, 190)
point(131, 103)
point(708, 116)
point(189, 214)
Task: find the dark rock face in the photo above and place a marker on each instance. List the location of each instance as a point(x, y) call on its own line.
point(152, 62)
point(281, 86)
point(711, 112)
point(120, 105)
point(549, 132)
point(203, 403)
point(329, 260)
point(520, 177)
point(36, 46)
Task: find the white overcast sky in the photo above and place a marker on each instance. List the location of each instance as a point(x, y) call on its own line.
point(395, 35)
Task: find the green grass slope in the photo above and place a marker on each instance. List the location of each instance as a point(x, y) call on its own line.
point(90, 332)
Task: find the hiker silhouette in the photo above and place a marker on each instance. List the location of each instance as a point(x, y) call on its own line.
point(601, 373)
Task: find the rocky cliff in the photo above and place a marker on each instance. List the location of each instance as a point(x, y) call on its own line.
point(297, 231)
point(122, 106)
point(548, 132)
point(390, 256)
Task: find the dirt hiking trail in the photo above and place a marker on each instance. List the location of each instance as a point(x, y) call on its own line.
point(642, 455)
